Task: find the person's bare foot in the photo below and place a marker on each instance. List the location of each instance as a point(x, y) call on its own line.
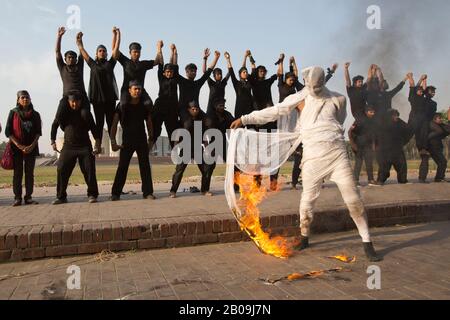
point(173, 195)
point(208, 194)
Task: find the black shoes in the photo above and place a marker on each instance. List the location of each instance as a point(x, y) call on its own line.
point(59, 201)
point(29, 202)
point(304, 244)
point(114, 198)
point(93, 200)
point(370, 252)
point(17, 203)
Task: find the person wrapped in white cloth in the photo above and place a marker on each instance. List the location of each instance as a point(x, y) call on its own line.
point(320, 128)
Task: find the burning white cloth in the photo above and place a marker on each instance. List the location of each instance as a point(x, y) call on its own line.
point(319, 126)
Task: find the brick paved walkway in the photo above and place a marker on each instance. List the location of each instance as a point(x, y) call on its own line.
point(416, 266)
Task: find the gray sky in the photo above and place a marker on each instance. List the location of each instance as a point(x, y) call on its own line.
point(414, 37)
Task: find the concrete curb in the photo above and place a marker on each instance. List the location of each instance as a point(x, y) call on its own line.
point(49, 241)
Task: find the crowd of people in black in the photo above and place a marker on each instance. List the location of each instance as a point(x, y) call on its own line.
point(378, 132)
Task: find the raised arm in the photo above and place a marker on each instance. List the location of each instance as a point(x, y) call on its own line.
point(271, 114)
point(294, 66)
point(280, 70)
point(206, 55)
point(348, 80)
point(116, 47)
point(248, 53)
point(61, 32)
point(424, 82)
point(410, 78)
point(174, 56)
point(331, 72)
point(380, 76)
point(80, 45)
point(158, 58)
point(216, 59)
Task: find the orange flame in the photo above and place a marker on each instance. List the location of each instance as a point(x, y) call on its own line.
point(344, 258)
point(252, 194)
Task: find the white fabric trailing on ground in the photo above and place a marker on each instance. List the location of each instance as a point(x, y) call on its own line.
point(319, 126)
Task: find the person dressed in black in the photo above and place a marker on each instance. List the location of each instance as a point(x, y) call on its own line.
point(24, 129)
point(381, 97)
point(363, 139)
point(417, 116)
point(221, 120)
point(103, 92)
point(135, 69)
point(437, 132)
point(392, 137)
point(71, 70)
point(166, 106)
point(242, 87)
point(77, 147)
point(289, 84)
point(133, 117)
point(216, 88)
point(357, 92)
point(195, 116)
point(189, 87)
point(262, 89)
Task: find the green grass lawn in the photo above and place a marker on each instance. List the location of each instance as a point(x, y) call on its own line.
point(46, 176)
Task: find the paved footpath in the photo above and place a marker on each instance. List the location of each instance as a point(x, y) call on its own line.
point(133, 207)
point(416, 266)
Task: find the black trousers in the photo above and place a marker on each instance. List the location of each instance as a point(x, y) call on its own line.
point(165, 113)
point(66, 163)
point(396, 159)
point(296, 170)
point(145, 98)
point(104, 111)
point(437, 154)
point(367, 155)
point(144, 168)
point(205, 169)
point(23, 162)
point(421, 128)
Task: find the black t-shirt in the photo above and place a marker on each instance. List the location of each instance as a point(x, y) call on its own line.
point(262, 91)
point(417, 103)
point(103, 86)
point(71, 76)
point(244, 97)
point(134, 70)
point(76, 129)
point(216, 91)
point(190, 89)
point(133, 119)
point(430, 108)
point(168, 88)
point(366, 132)
point(358, 102)
point(285, 90)
point(393, 136)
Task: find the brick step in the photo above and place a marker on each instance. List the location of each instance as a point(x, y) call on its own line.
point(49, 241)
